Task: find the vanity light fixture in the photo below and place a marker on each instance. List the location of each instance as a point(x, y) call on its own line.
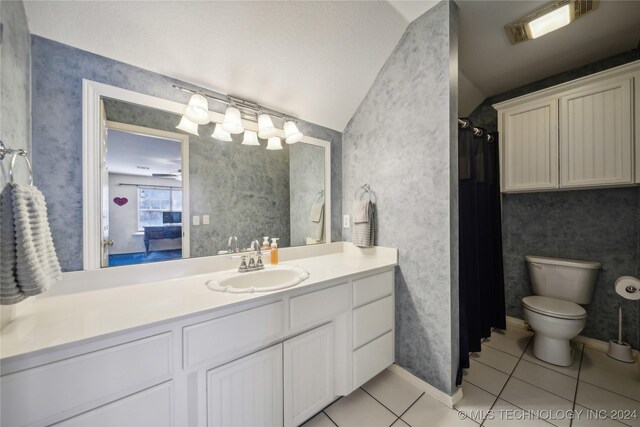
point(250, 138)
point(292, 134)
point(548, 18)
point(221, 134)
point(237, 110)
point(232, 120)
point(266, 129)
point(274, 143)
point(198, 109)
point(188, 126)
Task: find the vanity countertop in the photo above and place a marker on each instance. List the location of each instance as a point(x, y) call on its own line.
point(65, 319)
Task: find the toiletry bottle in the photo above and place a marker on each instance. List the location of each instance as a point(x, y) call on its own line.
point(274, 251)
point(265, 243)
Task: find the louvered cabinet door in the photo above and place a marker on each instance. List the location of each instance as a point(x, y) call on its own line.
point(529, 155)
point(247, 392)
point(308, 374)
point(596, 135)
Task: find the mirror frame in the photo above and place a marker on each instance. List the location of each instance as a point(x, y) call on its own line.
point(92, 92)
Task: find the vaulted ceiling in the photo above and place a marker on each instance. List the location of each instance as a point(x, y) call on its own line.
point(317, 59)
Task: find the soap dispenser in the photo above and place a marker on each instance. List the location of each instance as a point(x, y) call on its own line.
point(265, 243)
point(274, 251)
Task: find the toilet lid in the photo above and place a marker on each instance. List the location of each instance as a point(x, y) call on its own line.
point(554, 307)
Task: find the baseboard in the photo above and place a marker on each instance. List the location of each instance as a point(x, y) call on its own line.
point(593, 343)
point(439, 395)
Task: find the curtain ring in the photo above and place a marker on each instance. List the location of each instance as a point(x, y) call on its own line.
point(23, 154)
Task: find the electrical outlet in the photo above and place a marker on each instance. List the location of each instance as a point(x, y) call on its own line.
point(196, 220)
point(205, 219)
point(346, 221)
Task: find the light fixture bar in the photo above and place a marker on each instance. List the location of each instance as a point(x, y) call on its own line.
point(241, 104)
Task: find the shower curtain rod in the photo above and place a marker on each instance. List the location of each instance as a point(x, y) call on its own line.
point(476, 131)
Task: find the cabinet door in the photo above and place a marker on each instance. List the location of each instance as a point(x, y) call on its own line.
point(595, 135)
point(248, 391)
point(308, 374)
point(529, 155)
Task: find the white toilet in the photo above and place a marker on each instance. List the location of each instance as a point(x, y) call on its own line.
point(553, 313)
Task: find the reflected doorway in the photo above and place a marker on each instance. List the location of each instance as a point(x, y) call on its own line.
point(147, 198)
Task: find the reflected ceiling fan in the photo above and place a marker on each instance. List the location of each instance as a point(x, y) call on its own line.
point(175, 175)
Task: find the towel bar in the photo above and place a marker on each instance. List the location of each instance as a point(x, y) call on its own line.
point(367, 189)
point(19, 152)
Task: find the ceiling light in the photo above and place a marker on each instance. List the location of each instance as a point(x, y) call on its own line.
point(198, 109)
point(188, 126)
point(265, 126)
point(548, 18)
point(274, 143)
point(551, 21)
point(292, 133)
point(221, 134)
point(250, 138)
point(232, 120)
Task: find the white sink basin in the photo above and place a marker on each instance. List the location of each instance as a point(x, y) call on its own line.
point(272, 278)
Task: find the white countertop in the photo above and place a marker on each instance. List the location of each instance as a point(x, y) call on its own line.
point(72, 317)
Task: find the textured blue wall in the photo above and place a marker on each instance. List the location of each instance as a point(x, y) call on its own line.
point(15, 96)
point(57, 74)
point(601, 225)
point(400, 141)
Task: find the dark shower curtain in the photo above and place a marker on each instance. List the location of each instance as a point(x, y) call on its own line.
point(481, 291)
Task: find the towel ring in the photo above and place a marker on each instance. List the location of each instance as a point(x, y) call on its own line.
point(367, 189)
point(319, 196)
point(22, 154)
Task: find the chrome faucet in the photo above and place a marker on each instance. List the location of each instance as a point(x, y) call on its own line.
point(255, 264)
point(233, 239)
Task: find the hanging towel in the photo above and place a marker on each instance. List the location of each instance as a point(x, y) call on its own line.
point(316, 229)
point(364, 228)
point(33, 260)
point(9, 291)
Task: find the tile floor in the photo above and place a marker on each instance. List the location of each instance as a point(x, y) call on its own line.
point(504, 386)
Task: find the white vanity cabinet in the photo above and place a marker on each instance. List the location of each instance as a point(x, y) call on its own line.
point(580, 134)
point(53, 392)
point(274, 360)
point(373, 326)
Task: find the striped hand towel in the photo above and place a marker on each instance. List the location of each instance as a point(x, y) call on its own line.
point(32, 259)
point(316, 229)
point(364, 223)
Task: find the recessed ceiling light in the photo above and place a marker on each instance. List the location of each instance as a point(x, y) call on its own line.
point(547, 19)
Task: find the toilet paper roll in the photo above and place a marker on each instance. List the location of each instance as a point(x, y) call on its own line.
point(628, 287)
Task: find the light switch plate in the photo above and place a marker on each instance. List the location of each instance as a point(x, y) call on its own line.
point(346, 221)
point(196, 220)
point(205, 219)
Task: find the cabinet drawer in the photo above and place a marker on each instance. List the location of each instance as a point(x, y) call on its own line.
point(372, 320)
point(152, 407)
point(34, 397)
point(219, 340)
point(371, 359)
point(313, 309)
point(372, 288)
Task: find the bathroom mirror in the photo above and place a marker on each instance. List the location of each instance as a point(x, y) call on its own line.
point(155, 193)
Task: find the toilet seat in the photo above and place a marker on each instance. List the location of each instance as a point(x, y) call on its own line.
point(554, 307)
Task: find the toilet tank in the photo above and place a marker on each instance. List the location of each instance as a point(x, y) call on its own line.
point(566, 279)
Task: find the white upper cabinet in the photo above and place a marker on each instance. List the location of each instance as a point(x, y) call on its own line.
point(530, 147)
point(580, 134)
point(595, 135)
